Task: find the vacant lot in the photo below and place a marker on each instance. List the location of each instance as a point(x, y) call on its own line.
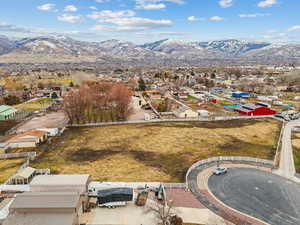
point(155, 152)
point(296, 148)
point(9, 167)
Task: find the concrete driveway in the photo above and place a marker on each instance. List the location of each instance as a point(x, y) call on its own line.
point(287, 166)
point(269, 197)
point(128, 215)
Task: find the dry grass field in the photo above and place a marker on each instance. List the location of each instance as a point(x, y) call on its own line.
point(9, 167)
point(296, 148)
point(155, 152)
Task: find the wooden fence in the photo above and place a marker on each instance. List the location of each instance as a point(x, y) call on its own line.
point(18, 155)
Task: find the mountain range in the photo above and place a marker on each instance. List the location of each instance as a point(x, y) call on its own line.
point(61, 48)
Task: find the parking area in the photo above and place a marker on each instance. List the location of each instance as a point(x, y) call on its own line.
point(126, 215)
point(260, 194)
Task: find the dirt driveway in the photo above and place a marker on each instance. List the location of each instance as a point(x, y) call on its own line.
point(50, 120)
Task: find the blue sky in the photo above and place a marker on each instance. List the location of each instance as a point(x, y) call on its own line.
point(150, 20)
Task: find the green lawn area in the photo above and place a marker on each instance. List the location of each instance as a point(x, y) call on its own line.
point(155, 152)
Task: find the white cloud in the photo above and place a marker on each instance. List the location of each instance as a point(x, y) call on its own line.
point(155, 4)
point(5, 27)
point(111, 14)
point(275, 36)
point(270, 31)
point(192, 18)
point(70, 8)
point(225, 3)
point(152, 6)
point(254, 15)
point(294, 28)
point(131, 24)
point(216, 18)
point(70, 18)
point(157, 1)
point(267, 3)
point(101, 1)
point(46, 7)
point(93, 7)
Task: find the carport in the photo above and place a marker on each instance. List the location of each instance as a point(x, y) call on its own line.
point(23, 177)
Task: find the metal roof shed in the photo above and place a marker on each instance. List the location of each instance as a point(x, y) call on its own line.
point(24, 176)
point(7, 112)
point(61, 183)
point(46, 208)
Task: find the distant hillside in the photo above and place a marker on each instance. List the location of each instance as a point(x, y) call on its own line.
point(167, 51)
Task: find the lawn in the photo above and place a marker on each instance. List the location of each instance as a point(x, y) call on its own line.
point(35, 105)
point(9, 167)
point(155, 152)
point(296, 148)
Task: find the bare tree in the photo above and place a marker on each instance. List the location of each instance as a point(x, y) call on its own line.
point(165, 213)
point(98, 102)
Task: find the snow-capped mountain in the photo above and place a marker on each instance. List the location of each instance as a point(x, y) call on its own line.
point(231, 47)
point(166, 51)
point(276, 51)
point(6, 45)
point(54, 46)
point(123, 49)
point(179, 49)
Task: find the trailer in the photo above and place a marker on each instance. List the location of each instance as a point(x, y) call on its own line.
point(114, 197)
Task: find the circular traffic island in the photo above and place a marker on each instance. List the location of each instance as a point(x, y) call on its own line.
point(268, 197)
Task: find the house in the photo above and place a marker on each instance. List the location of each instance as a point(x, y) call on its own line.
point(255, 110)
point(7, 112)
point(29, 139)
point(184, 112)
point(45, 208)
point(52, 132)
point(61, 183)
point(240, 94)
point(204, 113)
point(183, 95)
point(154, 94)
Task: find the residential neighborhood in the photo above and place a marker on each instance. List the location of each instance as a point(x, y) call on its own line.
point(150, 112)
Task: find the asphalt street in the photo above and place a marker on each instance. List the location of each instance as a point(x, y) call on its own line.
point(269, 197)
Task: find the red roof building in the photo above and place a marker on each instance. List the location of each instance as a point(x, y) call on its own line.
point(255, 110)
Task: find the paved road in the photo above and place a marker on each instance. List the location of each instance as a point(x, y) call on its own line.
point(271, 198)
point(286, 165)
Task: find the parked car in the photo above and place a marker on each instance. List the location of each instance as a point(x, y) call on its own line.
point(220, 171)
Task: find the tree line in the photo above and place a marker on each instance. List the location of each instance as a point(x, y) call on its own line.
point(94, 102)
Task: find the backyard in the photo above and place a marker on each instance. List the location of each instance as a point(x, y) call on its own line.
point(155, 152)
